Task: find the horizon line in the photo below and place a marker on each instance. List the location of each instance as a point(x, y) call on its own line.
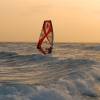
point(54, 42)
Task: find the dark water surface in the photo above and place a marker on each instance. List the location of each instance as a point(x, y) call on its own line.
point(71, 72)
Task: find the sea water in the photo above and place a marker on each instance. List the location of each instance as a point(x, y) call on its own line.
point(71, 72)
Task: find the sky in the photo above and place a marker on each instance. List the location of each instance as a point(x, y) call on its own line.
point(73, 20)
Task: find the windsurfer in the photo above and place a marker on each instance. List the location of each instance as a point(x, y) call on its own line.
point(39, 47)
point(45, 43)
point(49, 50)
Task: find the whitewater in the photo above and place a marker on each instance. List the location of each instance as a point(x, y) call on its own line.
point(71, 72)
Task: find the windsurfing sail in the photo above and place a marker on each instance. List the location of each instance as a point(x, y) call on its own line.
point(45, 43)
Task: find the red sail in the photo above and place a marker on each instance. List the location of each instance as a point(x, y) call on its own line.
point(45, 43)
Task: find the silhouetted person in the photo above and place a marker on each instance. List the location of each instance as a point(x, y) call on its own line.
point(50, 50)
point(39, 48)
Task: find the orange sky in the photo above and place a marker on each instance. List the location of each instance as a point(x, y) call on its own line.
point(73, 20)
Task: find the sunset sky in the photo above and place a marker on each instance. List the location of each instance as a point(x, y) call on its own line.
point(73, 20)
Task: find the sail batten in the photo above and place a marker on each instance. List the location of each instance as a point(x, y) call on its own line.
point(45, 43)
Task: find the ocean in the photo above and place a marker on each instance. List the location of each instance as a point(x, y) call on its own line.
point(71, 72)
